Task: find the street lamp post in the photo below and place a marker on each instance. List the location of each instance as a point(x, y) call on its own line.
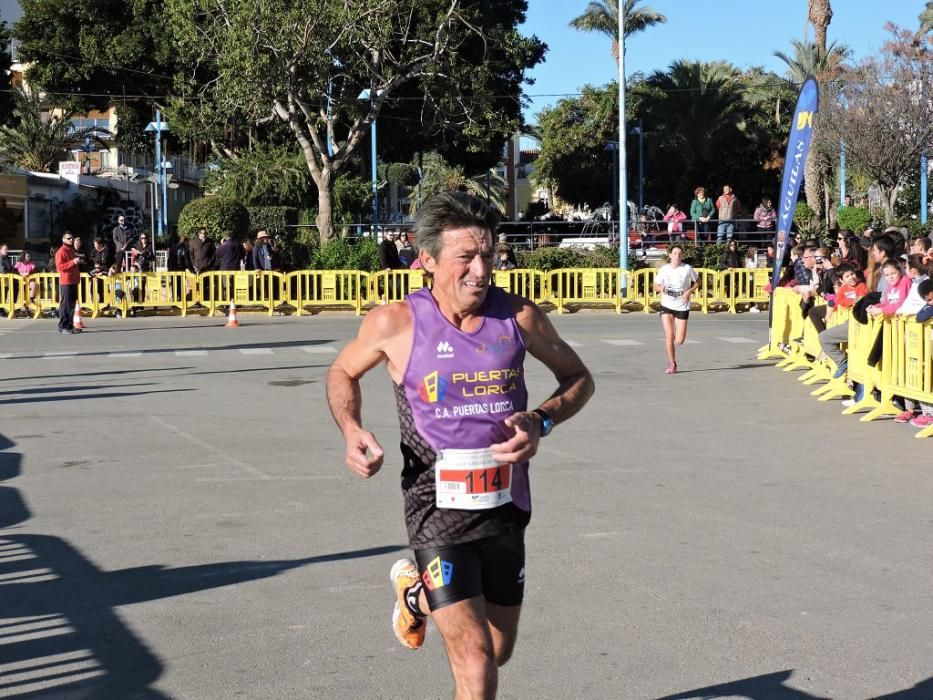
point(923, 188)
point(641, 164)
point(366, 95)
point(623, 195)
point(158, 126)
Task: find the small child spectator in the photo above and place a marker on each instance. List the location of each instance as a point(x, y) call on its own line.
point(675, 219)
point(895, 294)
point(505, 257)
point(751, 258)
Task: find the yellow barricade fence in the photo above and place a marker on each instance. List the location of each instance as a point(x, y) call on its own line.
point(742, 286)
point(822, 371)
point(531, 284)
point(47, 297)
point(707, 291)
point(587, 287)
point(245, 288)
point(907, 364)
point(12, 293)
point(861, 341)
point(786, 316)
point(393, 285)
point(153, 290)
point(330, 288)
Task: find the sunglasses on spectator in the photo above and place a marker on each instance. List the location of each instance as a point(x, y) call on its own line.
point(819, 260)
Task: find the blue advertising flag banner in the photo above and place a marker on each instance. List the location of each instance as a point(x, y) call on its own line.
point(798, 145)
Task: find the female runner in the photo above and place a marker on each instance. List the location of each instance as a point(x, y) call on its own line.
point(675, 282)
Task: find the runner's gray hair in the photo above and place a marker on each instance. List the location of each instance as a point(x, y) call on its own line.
point(450, 210)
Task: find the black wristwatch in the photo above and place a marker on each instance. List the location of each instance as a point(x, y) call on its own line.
point(547, 425)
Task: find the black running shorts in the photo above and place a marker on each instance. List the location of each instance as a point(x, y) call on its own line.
point(493, 568)
point(682, 315)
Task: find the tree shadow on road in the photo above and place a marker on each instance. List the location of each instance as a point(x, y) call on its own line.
point(771, 686)
point(60, 630)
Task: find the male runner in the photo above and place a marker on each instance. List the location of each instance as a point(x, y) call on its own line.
point(455, 354)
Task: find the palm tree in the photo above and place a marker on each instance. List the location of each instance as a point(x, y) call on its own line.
point(820, 14)
point(440, 176)
point(35, 142)
point(603, 16)
point(926, 20)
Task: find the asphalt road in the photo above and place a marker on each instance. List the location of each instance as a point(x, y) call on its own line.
point(176, 522)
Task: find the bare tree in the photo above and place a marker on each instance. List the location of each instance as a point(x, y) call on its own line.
point(883, 111)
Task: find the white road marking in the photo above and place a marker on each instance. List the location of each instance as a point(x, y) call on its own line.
point(191, 353)
point(319, 349)
point(737, 340)
point(5, 355)
point(271, 478)
point(58, 355)
point(120, 355)
point(624, 342)
point(255, 471)
point(573, 343)
point(256, 351)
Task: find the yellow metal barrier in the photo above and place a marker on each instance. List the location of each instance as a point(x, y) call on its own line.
point(264, 289)
point(741, 286)
point(708, 290)
point(343, 288)
point(388, 286)
point(531, 284)
point(861, 341)
point(823, 371)
point(153, 290)
point(907, 363)
point(47, 297)
point(784, 318)
point(586, 287)
point(12, 293)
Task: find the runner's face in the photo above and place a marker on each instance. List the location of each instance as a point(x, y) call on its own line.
point(463, 269)
point(677, 256)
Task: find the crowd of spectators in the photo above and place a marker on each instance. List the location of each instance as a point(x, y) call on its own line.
point(877, 274)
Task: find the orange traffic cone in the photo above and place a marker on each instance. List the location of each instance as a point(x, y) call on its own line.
point(231, 317)
point(76, 321)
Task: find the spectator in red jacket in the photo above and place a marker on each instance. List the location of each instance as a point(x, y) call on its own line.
point(67, 263)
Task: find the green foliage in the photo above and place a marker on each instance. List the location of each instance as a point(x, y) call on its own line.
point(706, 256)
point(855, 219)
point(263, 176)
point(96, 48)
point(219, 215)
point(344, 254)
point(132, 120)
point(440, 176)
point(271, 219)
point(547, 259)
point(914, 227)
point(6, 98)
point(402, 174)
point(352, 197)
point(804, 216)
point(35, 142)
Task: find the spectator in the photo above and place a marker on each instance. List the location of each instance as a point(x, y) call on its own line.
point(916, 273)
point(262, 253)
point(388, 253)
point(246, 259)
point(406, 251)
point(751, 258)
point(925, 290)
point(203, 252)
point(894, 294)
point(6, 267)
point(847, 200)
point(920, 245)
point(228, 254)
point(124, 238)
point(675, 220)
point(730, 257)
point(728, 207)
point(851, 289)
point(79, 249)
point(882, 250)
point(701, 211)
point(66, 263)
point(505, 257)
point(178, 258)
point(101, 257)
point(25, 267)
point(50, 267)
point(765, 217)
point(144, 260)
point(849, 249)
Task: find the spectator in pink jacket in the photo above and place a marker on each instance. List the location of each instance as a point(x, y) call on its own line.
point(675, 219)
point(895, 294)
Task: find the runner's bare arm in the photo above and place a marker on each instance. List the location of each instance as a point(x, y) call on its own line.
point(364, 453)
point(575, 384)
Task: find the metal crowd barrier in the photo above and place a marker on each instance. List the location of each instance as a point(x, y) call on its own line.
point(531, 284)
point(599, 286)
point(327, 288)
point(263, 289)
point(387, 286)
point(356, 290)
point(907, 364)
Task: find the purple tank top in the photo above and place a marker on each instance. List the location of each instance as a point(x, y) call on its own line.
point(462, 386)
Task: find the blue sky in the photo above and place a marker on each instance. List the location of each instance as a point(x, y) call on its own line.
point(745, 32)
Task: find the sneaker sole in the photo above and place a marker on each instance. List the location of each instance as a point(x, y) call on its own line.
point(394, 573)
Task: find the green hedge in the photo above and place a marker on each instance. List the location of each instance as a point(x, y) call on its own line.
point(271, 219)
point(219, 215)
point(856, 219)
point(341, 254)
